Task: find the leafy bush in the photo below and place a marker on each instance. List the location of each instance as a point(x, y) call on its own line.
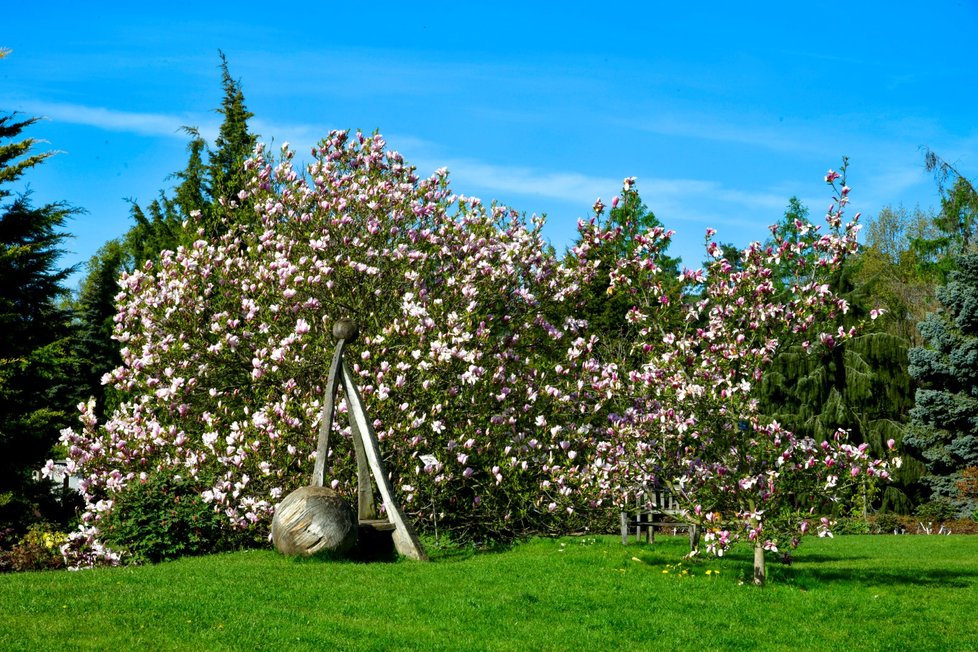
point(163, 517)
point(40, 549)
point(851, 525)
point(887, 523)
point(936, 510)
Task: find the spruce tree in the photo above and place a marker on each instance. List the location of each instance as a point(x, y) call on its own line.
point(944, 419)
point(36, 363)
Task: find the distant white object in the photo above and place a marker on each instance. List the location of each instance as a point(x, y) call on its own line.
point(429, 460)
point(59, 475)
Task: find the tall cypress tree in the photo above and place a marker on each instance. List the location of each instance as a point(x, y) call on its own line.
point(206, 191)
point(234, 144)
point(944, 420)
point(35, 353)
point(196, 199)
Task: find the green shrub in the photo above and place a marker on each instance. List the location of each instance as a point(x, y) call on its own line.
point(936, 510)
point(163, 517)
point(851, 525)
point(887, 523)
point(40, 549)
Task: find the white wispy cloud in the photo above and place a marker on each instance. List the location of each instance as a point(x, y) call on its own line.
point(146, 124)
point(747, 132)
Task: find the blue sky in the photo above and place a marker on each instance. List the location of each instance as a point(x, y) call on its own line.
point(722, 110)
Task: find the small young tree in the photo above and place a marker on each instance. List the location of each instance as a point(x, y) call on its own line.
point(687, 418)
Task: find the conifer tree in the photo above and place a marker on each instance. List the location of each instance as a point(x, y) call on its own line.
point(860, 386)
point(945, 416)
point(36, 364)
point(95, 312)
point(204, 190)
point(225, 167)
point(606, 313)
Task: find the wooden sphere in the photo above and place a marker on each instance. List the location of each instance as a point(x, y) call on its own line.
point(345, 329)
point(314, 520)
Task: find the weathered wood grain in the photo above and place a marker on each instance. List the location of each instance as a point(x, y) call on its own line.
point(314, 520)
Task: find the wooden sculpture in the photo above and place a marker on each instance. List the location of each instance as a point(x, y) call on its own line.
point(314, 519)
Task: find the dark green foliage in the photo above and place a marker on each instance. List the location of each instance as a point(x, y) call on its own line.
point(190, 194)
point(888, 523)
point(860, 386)
point(937, 510)
point(789, 229)
point(196, 200)
point(205, 190)
point(163, 518)
point(234, 144)
point(156, 229)
point(945, 416)
point(95, 311)
point(36, 361)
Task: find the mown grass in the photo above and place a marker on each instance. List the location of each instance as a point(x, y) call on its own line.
point(849, 593)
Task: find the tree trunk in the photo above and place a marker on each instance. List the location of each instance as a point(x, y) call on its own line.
point(760, 572)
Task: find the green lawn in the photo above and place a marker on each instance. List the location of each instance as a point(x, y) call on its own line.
point(848, 593)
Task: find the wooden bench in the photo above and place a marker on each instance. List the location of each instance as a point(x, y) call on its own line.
point(656, 509)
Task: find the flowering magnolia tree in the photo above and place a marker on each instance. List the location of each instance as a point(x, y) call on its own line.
point(471, 352)
point(466, 353)
point(683, 416)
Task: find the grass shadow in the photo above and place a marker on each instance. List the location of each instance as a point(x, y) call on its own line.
point(888, 577)
point(446, 550)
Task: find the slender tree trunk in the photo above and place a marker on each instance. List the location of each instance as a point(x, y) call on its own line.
point(760, 571)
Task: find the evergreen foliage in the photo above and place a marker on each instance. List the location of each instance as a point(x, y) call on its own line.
point(860, 386)
point(36, 363)
point(205, 189)
point(95, 311)
point(945, 416)
point(606, 312)
point(203, 192)
point(226, 176)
